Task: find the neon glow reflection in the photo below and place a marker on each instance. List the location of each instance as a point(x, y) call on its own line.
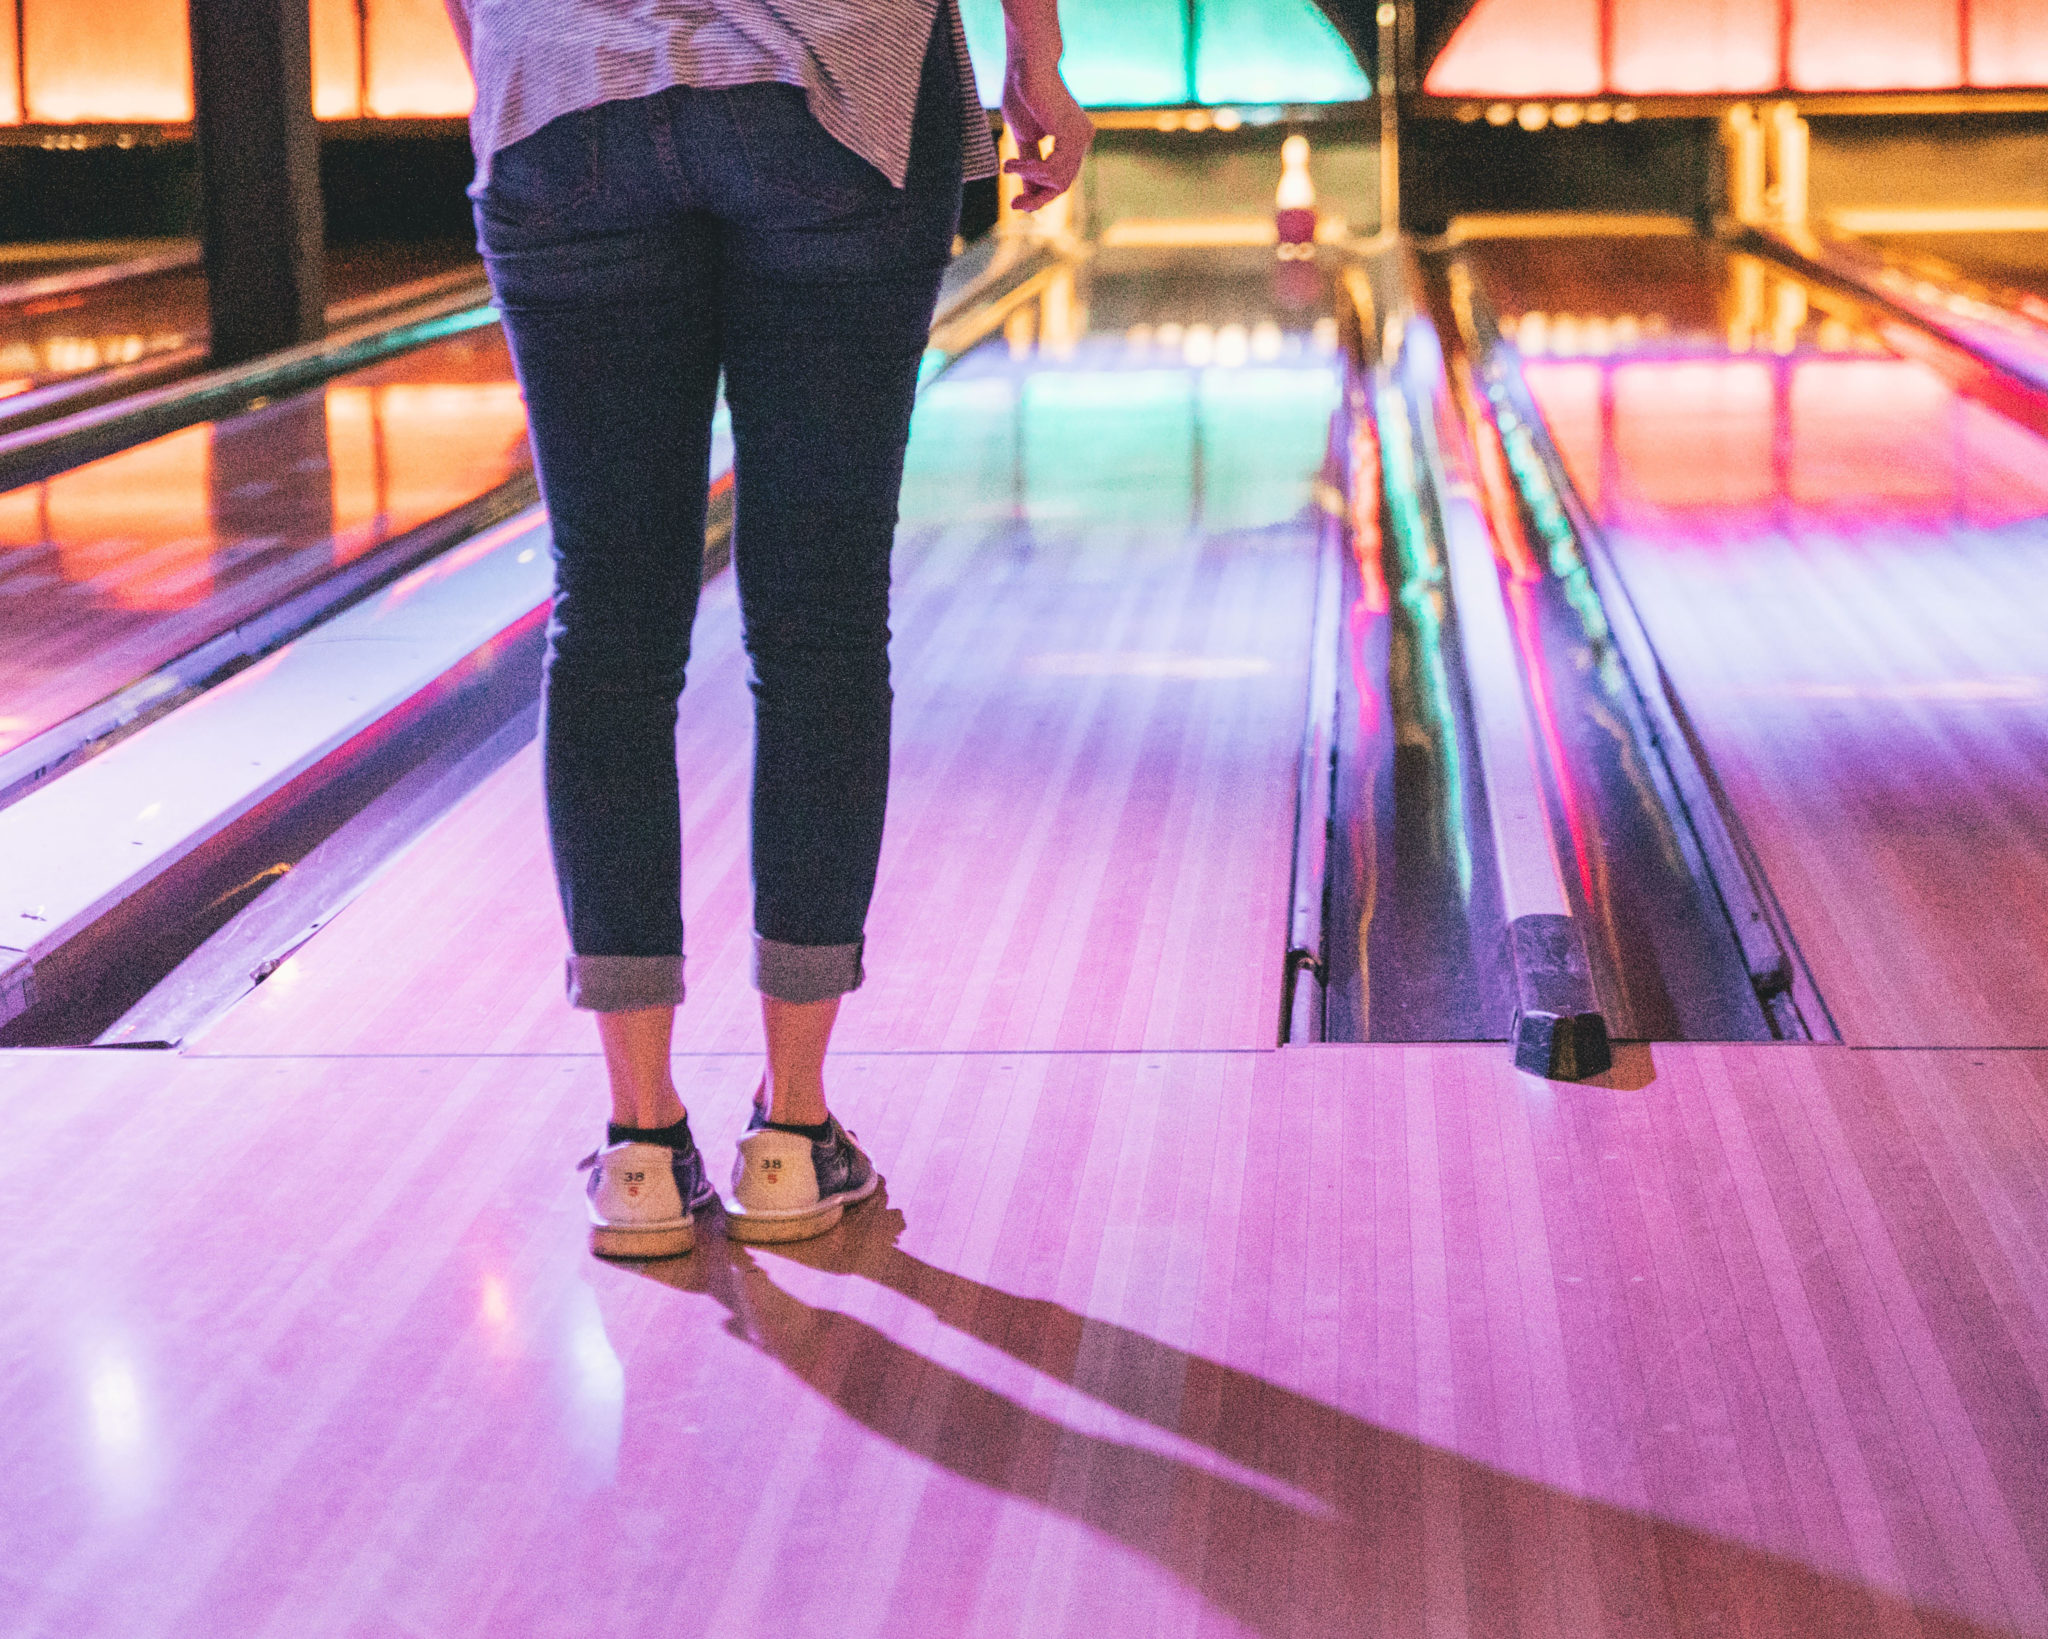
point(596, 1385)
point(1804, 441)
point(130, 60)
point(124, 1460)
point(1216, 448)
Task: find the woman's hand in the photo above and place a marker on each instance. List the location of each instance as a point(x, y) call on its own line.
point(1037, 105)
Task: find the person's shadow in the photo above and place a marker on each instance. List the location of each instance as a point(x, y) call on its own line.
point(1362, 1531)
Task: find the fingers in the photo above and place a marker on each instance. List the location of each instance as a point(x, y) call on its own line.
point(1046, 178)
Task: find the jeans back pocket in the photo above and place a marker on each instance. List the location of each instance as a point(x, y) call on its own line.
point(789, 154)
point(543, 179)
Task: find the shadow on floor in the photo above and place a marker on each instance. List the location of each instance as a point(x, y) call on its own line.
point(1361, 1530)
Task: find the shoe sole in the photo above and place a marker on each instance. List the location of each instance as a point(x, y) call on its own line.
point(669, 1241)
point(762, 1229)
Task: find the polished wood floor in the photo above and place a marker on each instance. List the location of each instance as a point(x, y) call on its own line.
point(117, 567)
point(1360, 1340)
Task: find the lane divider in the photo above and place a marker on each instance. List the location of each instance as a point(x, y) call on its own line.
point(1674, 755)
point(1559, 1029)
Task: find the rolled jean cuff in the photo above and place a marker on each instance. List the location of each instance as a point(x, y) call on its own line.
point(806, 973)
point(624, 984)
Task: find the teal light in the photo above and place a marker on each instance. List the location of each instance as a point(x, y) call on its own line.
point(1263, 51)
point(962, 463)
point(1171, 448)
point(1110, 446)
point(983, 20)
point(1127, 53)
point(1134, 53)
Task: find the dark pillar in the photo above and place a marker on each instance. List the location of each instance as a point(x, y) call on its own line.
point(259, 166)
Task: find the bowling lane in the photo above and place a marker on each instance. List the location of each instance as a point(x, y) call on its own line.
point(112, 569)
point(1843, 565)
point(1104, 584)
point(53, 336)
point(1987, 290)
point(2014, 261)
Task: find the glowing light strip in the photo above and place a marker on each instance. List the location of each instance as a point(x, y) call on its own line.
point(1422, 595)
point(1941, 219)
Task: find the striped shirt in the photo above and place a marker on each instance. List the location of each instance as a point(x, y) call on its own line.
point(858, 63)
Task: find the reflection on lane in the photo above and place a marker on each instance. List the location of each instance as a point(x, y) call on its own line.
point(1843, 564)
point(116, 567)
point(1785, 442)
point(1124, 429)
point(2011, 262)
point(60, 335)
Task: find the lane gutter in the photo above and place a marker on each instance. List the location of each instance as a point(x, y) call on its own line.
point(43, 451)
point(1923, 329)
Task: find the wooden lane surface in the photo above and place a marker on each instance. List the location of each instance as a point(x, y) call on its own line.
point(1097, 726)
point(117, 567)
point(57, 335)
point(1879, 719)
point(2016, 260)
point(1323, 1341)
point(1071, 861)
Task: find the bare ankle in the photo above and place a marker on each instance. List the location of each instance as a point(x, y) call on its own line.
point(793, 1088)
point(792, 1103)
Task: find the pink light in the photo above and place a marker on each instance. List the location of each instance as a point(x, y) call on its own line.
point(1695, 433)
point(1522, 605)
point(2004, 467)
point(1569, 396)
point(1869, 434)
point(1366, 544)
point(1521, 48)
point(1701, 47)
point(2008, 42)
point(1552, 48)
point(1875, 45)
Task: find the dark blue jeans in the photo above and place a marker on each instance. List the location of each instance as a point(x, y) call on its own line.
point(639, 249)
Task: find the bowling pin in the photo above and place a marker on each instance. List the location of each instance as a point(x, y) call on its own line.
point(1295, 204)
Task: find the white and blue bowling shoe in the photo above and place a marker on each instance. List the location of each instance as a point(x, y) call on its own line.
point(641, 1199)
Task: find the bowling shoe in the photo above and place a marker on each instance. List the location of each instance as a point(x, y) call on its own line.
point(641, 1197)
point(787, 1187)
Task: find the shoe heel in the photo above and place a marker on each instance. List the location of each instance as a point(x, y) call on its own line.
point(610, 1242)
point(767, 1231)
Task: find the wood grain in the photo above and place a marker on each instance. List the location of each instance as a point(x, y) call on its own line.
point(116, 567)
point(1316, 1341)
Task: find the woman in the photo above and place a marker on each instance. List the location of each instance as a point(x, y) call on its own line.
point(668, 190)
